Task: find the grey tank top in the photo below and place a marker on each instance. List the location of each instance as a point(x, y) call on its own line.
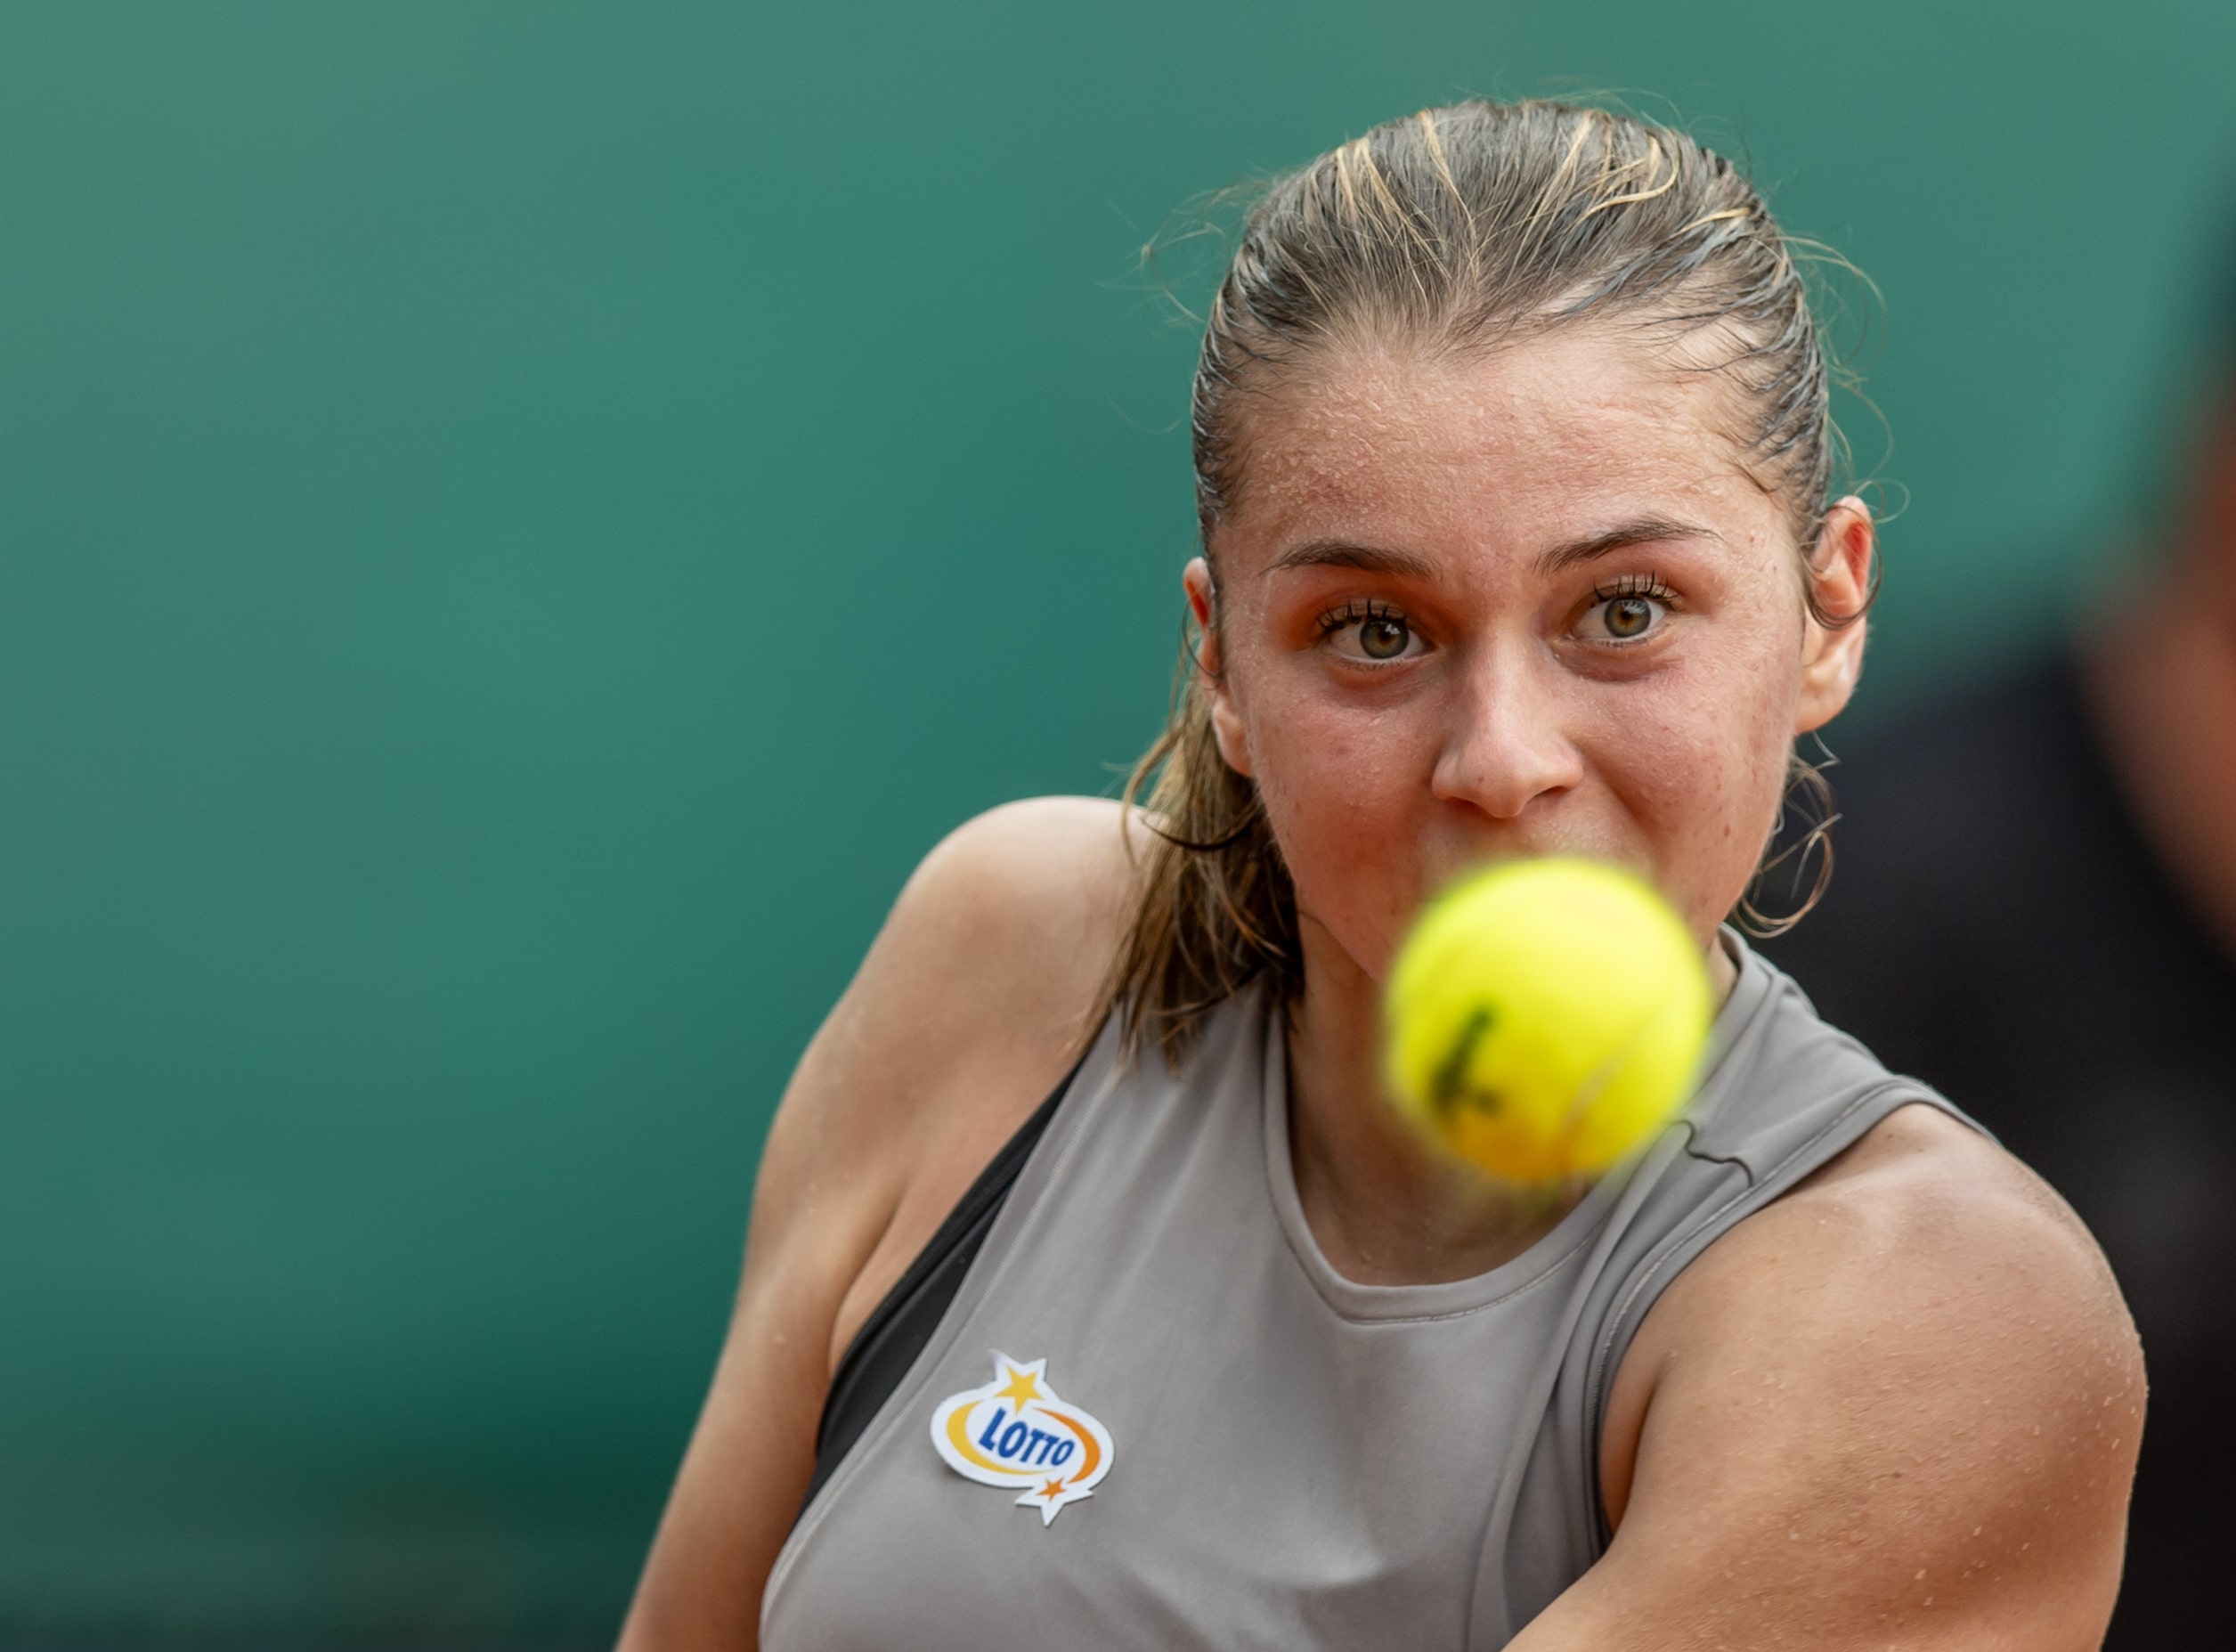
point(1153, 1415)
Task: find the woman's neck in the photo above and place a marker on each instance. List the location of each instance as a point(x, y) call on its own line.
point(1386, 1206)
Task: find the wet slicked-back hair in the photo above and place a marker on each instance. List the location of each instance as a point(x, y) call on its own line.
point(1453, 229)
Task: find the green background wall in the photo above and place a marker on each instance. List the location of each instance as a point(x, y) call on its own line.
point(522, 521)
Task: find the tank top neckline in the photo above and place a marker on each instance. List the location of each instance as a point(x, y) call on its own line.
point(1351, 1300)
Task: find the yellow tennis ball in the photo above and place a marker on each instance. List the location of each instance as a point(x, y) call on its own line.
point(1545, 1017)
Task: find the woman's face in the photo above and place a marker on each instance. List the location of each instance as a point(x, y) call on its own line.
point(1525, 604)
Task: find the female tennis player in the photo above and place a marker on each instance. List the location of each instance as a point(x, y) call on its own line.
point(1096, 1297)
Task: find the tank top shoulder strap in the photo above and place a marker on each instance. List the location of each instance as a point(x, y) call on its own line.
point(1783, 1093)
point(897, 1329)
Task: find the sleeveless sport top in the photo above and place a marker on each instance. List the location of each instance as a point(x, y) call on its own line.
point(1152, 1415)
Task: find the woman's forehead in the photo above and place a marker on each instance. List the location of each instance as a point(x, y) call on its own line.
point(1538, 441)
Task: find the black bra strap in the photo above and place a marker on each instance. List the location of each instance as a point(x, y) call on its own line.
point(898, 1328)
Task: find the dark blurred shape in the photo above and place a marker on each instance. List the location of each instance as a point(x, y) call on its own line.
point(2034, 910)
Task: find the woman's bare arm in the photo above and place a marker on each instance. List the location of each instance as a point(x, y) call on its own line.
point(1897, 1409)
point(972, 1002)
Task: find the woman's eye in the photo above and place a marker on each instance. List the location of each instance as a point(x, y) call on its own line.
point(1372, 635)
point(1384, 640)
point(1623, 617)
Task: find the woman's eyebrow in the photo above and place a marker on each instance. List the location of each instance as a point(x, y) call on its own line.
point(1645, 531)
point(1337, 553)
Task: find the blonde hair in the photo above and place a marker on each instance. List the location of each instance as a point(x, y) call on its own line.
point(1453, 229)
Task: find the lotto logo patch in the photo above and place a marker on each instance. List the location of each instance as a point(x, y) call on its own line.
point(1016, 1432)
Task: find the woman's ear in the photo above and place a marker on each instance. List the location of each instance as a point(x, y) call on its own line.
point(1226, 722)
point(1840, 579)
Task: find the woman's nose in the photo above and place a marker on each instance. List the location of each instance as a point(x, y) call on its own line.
point(1506, 746)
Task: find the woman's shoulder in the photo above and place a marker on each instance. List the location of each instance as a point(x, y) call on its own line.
point(965, 1012)
point(1880, 1176)
point(976, 998)
point(1002, 940)
point(1026, 874)
point(1916, 1359)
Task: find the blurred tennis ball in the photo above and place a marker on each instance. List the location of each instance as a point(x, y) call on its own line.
point(1545, 1017)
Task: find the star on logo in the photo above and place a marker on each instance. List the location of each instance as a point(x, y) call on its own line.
point(1024, 1386)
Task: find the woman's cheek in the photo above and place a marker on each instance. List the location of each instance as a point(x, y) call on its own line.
point(1341, 799)
point(1707, 797)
